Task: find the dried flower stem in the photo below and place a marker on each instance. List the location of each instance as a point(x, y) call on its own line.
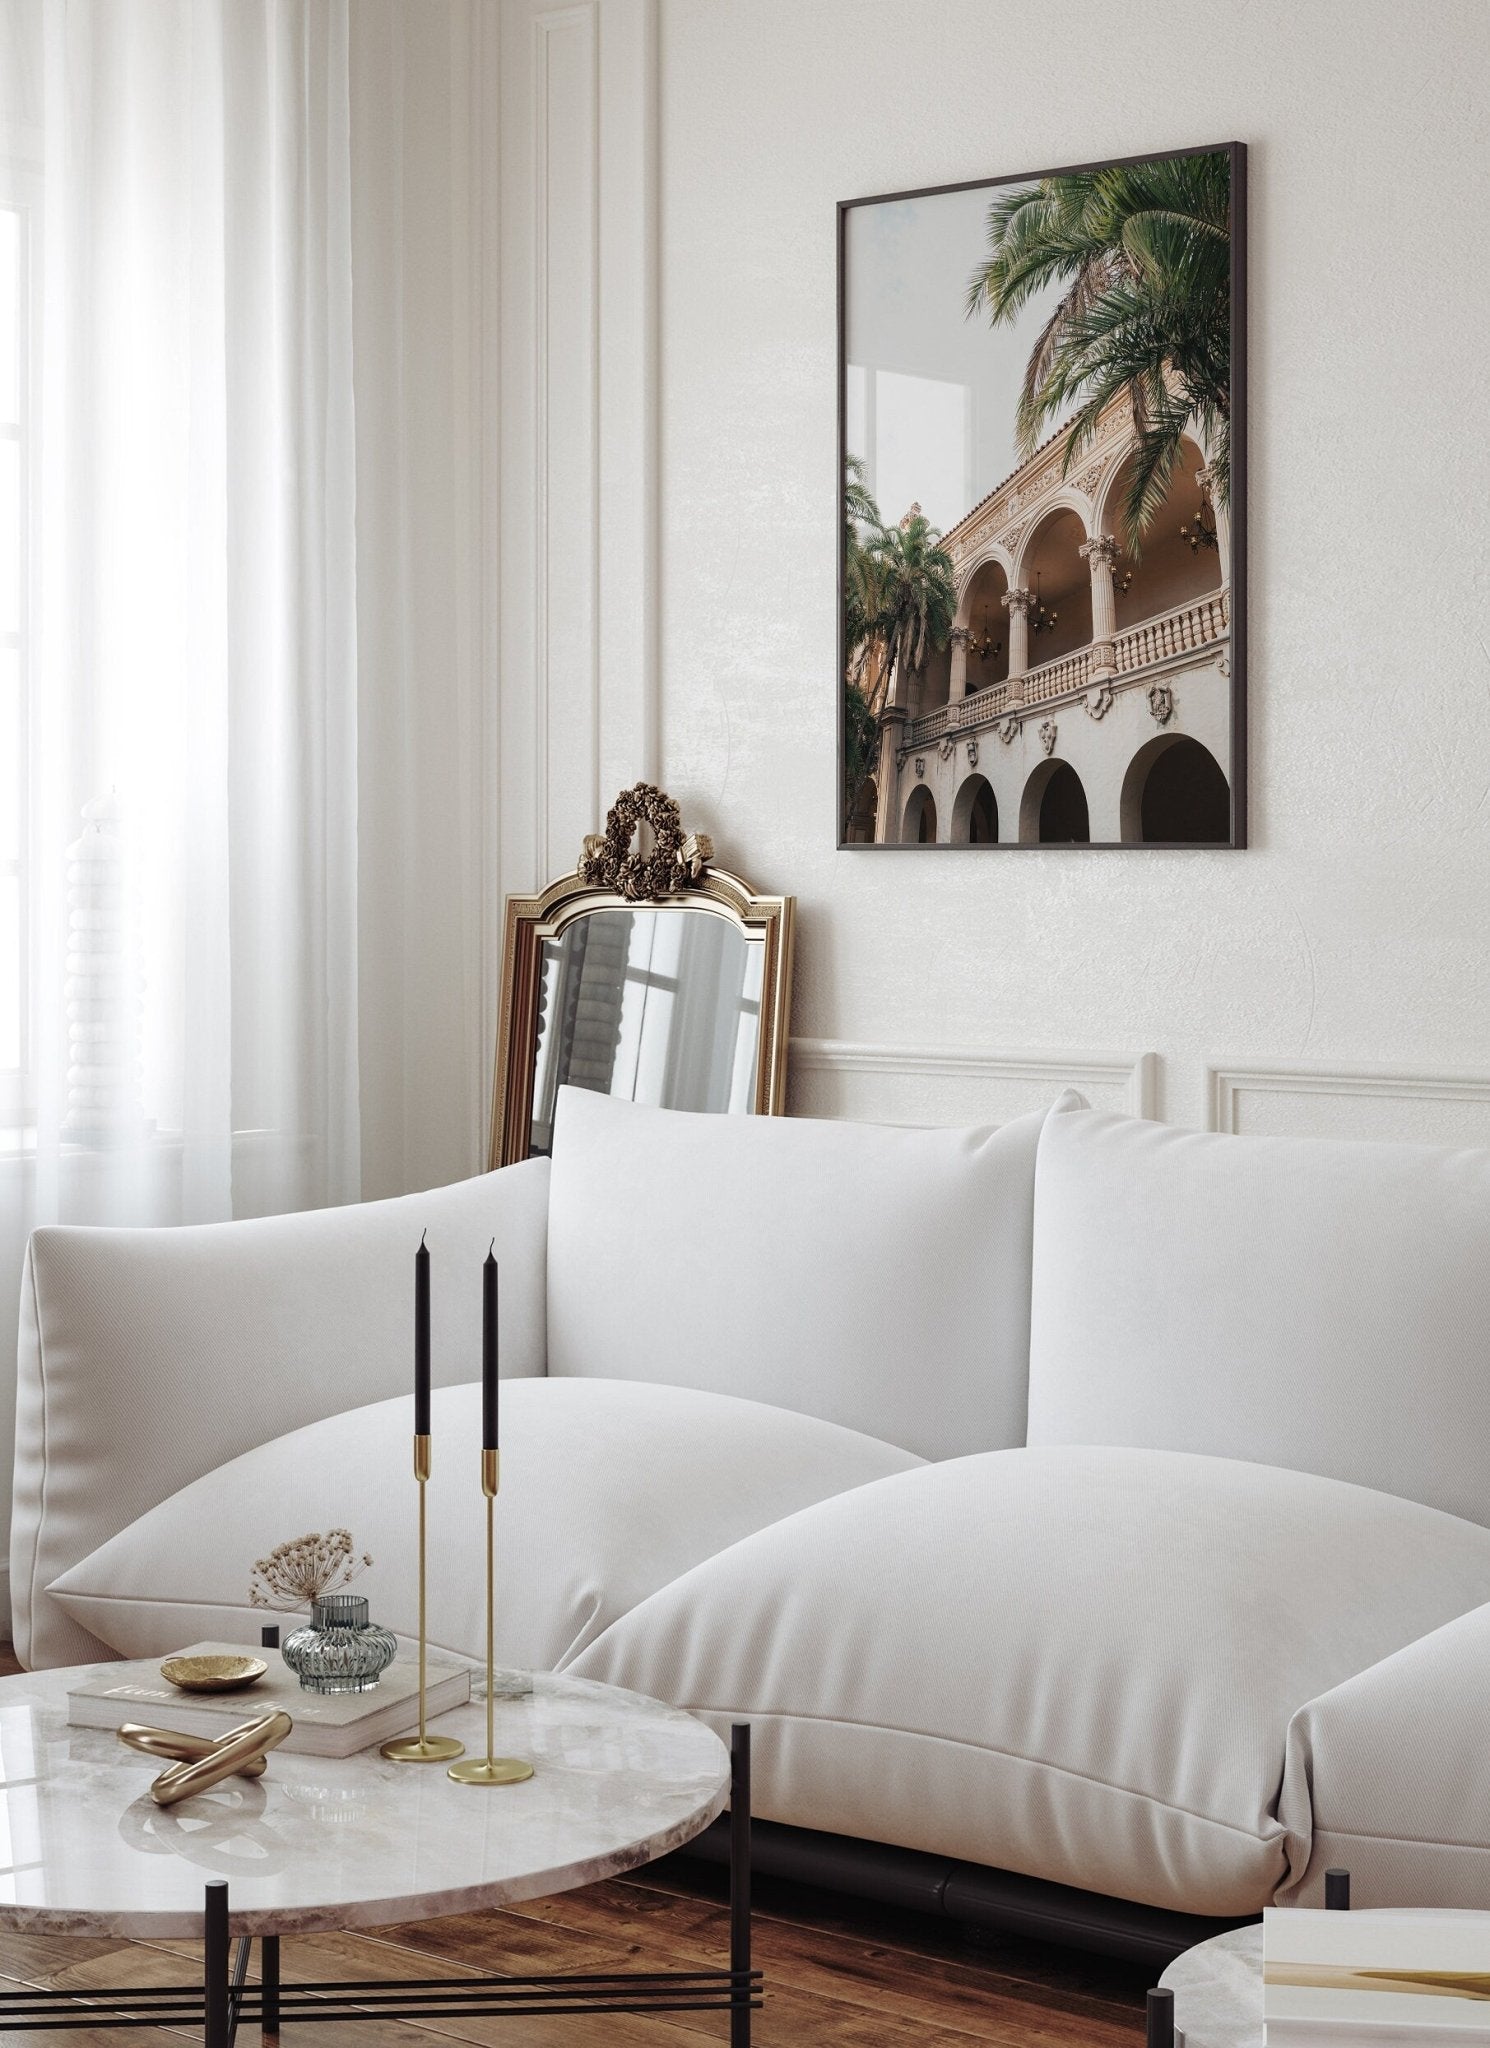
point(295, 1573)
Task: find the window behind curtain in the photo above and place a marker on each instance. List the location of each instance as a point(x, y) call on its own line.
point(14, 644)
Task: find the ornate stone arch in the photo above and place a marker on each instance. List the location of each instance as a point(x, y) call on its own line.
point(990, 551)
point(1066, 499)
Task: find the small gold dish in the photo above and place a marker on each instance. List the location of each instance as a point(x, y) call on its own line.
point(212, 1674)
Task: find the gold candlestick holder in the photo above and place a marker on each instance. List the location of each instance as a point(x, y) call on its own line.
point(490, 1769)
point(422, 1748)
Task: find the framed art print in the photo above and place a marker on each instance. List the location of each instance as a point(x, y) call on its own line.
point(1042, 531)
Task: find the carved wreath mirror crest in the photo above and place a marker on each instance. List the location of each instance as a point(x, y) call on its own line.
point(617, 859)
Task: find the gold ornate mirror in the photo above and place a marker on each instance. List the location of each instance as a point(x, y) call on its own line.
point(645, 974)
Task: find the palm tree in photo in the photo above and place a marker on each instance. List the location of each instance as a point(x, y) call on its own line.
point(1144, 254)
point(917, 601)
point(899, 602)
point(861, 578)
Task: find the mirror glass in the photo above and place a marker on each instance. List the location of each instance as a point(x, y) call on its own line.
point(661, 1006)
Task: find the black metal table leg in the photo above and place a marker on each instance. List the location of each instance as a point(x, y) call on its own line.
point(215, 1965)
point(741, 1987)
point(269, 1985)
point(1160, 2030)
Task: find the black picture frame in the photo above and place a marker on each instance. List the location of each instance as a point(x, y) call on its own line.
point(1235, 584)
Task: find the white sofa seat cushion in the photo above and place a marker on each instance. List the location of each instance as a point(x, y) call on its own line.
point(874, 1276)
point(1076, 1663)
point(608, 1492)
point(1301, 1302)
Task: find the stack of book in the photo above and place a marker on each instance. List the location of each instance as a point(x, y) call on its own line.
point(326, 1724)
point(1356, 1980)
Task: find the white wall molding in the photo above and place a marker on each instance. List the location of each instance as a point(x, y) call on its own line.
point(949, 1084)
point(1277, 1098)
point(579, 556)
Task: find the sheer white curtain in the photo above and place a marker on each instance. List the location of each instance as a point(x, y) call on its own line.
point(194, 742)
point(256, 896)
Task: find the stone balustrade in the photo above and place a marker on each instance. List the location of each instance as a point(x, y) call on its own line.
point(1177, 632)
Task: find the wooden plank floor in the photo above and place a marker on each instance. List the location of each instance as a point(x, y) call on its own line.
point(838, 1975)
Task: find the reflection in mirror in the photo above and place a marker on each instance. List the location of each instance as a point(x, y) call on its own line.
point(661, 1006)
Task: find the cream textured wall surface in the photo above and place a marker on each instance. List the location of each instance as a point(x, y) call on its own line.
point(1352, 935)
point(668, 360)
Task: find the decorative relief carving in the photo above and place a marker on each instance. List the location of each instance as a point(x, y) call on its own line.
point(920, 766)
point(961, 635)
point(902, 755)
point(972, 753)
point(1100, 548)
point(1019, 601)
point(1008, 731)
point(1161, 703)
point(947, 744)
point(607, 861)
point(1048, 732)
point(1090, 477)
point(1223, 666)
point(1099, 701)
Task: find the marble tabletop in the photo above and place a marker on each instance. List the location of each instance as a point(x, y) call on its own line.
point(355, 1842)
point(1217, 1990)
point(1217, 1986)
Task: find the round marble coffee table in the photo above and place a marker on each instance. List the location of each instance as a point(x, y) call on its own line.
point(318, 1843)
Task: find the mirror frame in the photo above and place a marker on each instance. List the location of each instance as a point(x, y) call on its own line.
point(530, 920)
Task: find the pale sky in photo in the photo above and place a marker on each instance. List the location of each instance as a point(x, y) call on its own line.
point(931, 394)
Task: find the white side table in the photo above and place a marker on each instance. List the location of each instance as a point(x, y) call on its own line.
point(1218, 1991)
point(1217, 1986)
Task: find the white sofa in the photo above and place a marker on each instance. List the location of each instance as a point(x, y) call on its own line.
point(1086, 1500)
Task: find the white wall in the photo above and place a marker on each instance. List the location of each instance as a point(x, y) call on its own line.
point(1341, 963)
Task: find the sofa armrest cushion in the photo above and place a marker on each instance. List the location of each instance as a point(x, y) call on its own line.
point(1386, 1776)
point(148, 1357)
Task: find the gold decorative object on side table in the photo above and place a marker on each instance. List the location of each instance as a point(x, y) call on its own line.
point(422, 1748)
point(199, 1762)
point(212, 1674)
point(490, 1769)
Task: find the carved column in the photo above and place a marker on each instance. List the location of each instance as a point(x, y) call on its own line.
point(1101, 552)
point(958, 687)
point(1018, 604)
point(887, 779)
point(1207, 482)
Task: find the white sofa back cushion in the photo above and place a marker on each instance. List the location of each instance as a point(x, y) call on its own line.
point(148, 1357)
point(873, 1276)
point(1320, 1305)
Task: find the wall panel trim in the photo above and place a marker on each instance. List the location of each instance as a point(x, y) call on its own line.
point(1226, 1084)
point(1136, 1074)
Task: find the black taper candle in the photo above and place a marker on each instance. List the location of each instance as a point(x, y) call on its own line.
point(489, 1350)
point(421, 1340)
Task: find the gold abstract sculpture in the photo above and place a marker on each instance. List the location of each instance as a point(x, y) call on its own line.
point(201, 1761)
